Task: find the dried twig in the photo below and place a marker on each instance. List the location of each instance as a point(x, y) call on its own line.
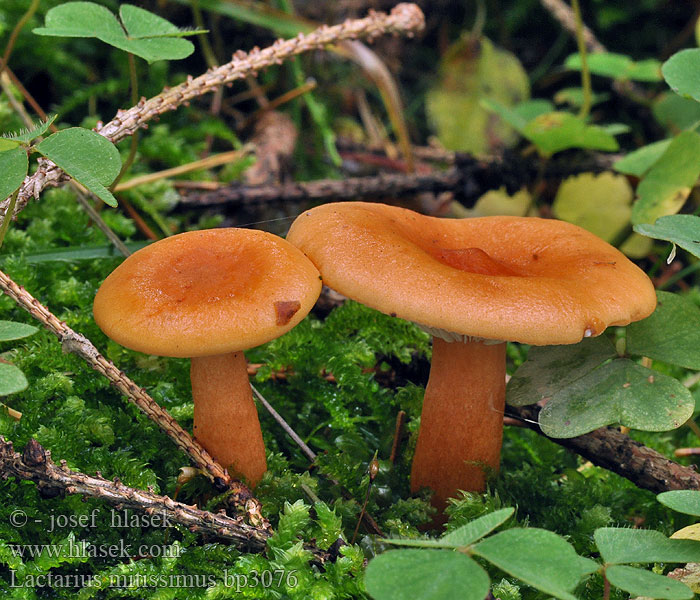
point(364, 516)
point(609, 448)
point(78, 344)
point(467, 181)
point(35, 464)
point(385, 185)
point(404, 19)
point(282, 423)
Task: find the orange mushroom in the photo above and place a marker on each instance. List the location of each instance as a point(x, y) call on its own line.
point(473, 284)
point(208, 295)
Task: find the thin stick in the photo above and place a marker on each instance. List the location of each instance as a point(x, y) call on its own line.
point(15, 32)
point(398, 430)
point(608, 448)
point(35, 464)
point(404, 19)
point(98, 220)
point(290, 432)
point(205, 163)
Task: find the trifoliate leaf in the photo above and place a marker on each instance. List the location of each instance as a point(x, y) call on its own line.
point(519, 553)
point(87, 157)
point(666, 186)
point(14, 165)
point(425, 574)
point(670, 334)
point(143, 33)
point(682, 230)
point(617, 392)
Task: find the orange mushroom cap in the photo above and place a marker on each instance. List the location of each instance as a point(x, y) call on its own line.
point(207, 292)
point(524, 279)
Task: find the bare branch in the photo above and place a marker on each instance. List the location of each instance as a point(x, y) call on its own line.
point(35, 464)
point(467, 180)
point(609, 448)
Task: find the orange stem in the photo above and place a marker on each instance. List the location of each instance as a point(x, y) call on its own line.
point(225, 418)
point(459, 442)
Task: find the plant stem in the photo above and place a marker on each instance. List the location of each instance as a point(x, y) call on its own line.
point(207, 50)
point(585, 73)
point(6, 223)
point(97, 219)
point(15, 32)
point(680, 275)
point(135, 137)
point(606, 588)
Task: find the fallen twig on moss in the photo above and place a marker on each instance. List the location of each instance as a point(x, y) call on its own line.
point(403, 19)
point(35, 464)
point(609, 448)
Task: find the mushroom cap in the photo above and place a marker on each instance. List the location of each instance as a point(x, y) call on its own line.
point(525, 279)
point(207, 292)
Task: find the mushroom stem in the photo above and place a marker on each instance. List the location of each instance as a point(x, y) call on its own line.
point(225, 418)
point(459, 442)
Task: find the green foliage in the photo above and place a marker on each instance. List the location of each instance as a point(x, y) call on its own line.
point(683, 230)
point(444, 574)
point(140, 32)
point(14, 165)
point(666, 185)
point(555, 131)
point(681, 73)
point(618, 66)
point(87, 157)
point(671, 334)
point(470, 72)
